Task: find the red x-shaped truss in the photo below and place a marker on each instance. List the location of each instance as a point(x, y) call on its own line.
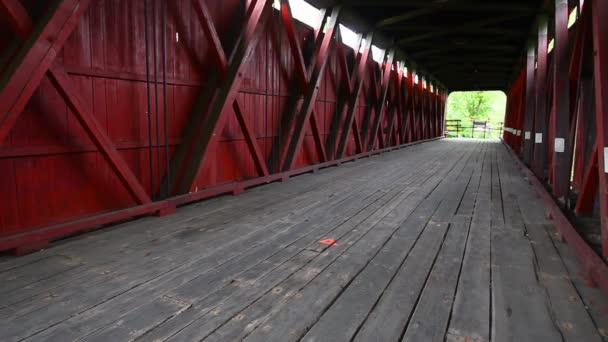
point(202, 135)
point(309, 79)
point(37, 59)
point(355, 84)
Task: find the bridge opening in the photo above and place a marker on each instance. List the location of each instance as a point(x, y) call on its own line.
point(475, 114)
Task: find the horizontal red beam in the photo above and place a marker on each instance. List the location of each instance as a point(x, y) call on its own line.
point(32, 151)
point(22, 237)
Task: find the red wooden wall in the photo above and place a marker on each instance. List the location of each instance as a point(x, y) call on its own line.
point(556, 118)
point(51, 171)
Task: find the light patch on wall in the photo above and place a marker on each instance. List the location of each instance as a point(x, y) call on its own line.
point(559, 145)
point(605, 159)
point(363, 44)
point(303, 12)
point(573, 17)
point(349, 37)
point(377, 54)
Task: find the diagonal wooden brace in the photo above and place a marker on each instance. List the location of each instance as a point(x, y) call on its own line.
point(294, 144)
point(23, 76)
point(78, 105)
point(353, 100)
point(226, 94)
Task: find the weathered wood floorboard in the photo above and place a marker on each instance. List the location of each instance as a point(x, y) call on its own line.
point(439, 241)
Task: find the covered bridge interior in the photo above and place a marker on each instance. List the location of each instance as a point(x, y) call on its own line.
point(276, 170)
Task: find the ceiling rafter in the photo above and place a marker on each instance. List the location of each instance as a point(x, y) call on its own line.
point(475, 47)
point(451, 5)
point(479, 38)
point(451, 30)
point(399, 19)
point(498, 31)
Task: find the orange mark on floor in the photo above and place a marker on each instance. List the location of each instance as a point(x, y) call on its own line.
point(330, 242)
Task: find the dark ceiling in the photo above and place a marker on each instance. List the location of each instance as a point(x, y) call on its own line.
point(465, 44)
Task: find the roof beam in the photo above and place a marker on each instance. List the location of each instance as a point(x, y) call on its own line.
point(482, 59)
point(453, 5)
point(474, 47)
point(481, 68)
point(405, 16)
point(462, 41)
point(451, 30)
point(486, 31)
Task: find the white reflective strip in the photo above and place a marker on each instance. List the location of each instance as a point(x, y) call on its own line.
point(518, 132)
point(559, 145)
point(606, 159)
point(538, 138)
point(527, 136)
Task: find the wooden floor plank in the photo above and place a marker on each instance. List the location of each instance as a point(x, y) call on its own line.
point(440, 241)
point(384, 323)
point(471, 313)
point(567, 309)
point(564, 311)
point(351, 309)
point(158, 286)
point(595, 301)
point(430, 319)
point(519, 310)
point(292, 285)
point(290, 322)
point(149, 290)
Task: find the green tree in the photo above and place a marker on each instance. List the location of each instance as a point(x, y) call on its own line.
point(470, 105)
point(477, 105)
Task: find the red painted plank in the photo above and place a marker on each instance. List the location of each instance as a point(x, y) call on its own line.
point(214, 121)
point(97, 135)
point(381, 104)
point(599, 22)
point(294, 43)
point(40, 53)
point(316, 133)
point(251, 139)
point(353, 100)
point(540, 136)
point(588, 190)
point(293, 145)
point(19, 19)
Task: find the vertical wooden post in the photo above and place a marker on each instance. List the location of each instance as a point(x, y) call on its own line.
point(530, 103)
point(539, 158)
point(600, 56)
point(562, 158)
